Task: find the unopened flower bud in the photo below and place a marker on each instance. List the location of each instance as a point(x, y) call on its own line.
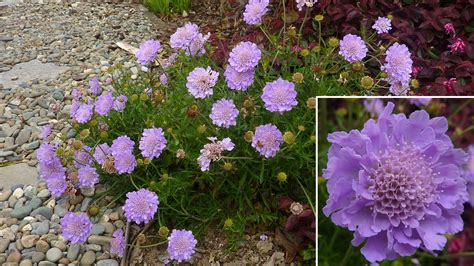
point(311, 103)
point(93, 210)
point(192, 111)
point(163, 231)
point(341, 112)
point(313, 138)
point(60, 151)
point(298, 77)
point(357, 66)
point(180, 154)
point(333, 42)
point(390, 17)
point(164, 178)
point(366, 82)
point(291, 31)
point(282, 177)
point(289, 137)
point(301, 128)
point(139, 162)
point(228, 223)
point(248, 136)
point(228, 166)
point(201, 129)
point(104, 134)
point(304, 52)
point(415, 83)
point(77, 144)
point(143, 97)
point(146, 161)
point(134, 97)
point(248, 104)
point(93, 123)
point(319, 18)
point(84, 133)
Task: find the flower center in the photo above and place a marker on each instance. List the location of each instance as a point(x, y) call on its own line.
point(280, 95)
point(353, 47)
point(402, 185)
point(181, 244)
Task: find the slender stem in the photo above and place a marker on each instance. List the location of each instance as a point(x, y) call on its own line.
point(148, 246)
point(461, 107)
point(346, 256)
point(307, 196)
point(302, 25)
point(266, 35)
point(133, 183)
point(237, 158)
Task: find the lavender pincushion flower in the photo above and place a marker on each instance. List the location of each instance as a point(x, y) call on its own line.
point(468, 174)
point(57, 184)
point(45, 132)
point(200, 82)
point(124, 162)
point(46, 153)
point(147, 51)
point(267, 140)
point(101, 152)
point(374, 106)
point(84, 113)
point(398, 65)
point(396, 184)
point(87, 176)
point(104, 103)
point(152, 143)
point(189, 39)
point(181, 245)
point(244, 56)
point(76, 227)
point(382, 25)
point(238, 80)
point(420, 101)
point(117, 244)
point(83, 157)
point(122, 144)
point(94, 86)
point(140, 206)
point(254, 11)
point(120, 102)
point(353, 48)
point(213, 151)
point(224, 113)
point(279, 96)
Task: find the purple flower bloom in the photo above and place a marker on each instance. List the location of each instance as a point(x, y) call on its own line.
point(122, 144)
point(468, 174)
point(254, 11)
point(57, 184)
point(104, 103)
point(120, 102)
point(396, 183)
point(163, 79)
point(279, 96)
point(152, 142)
point(201, 81)
point(101, 152)
point(374, 107)
point(168, 62)
point(353, 48)
point(238, 80)
point(263, 237)
point(117, 244)
point(76, 94)
point(74, 107)
point(125, 162)
point(267, 140)
point(147, 51)
point(181, 245)
point(188, 39)
point(83, 157)
point(51, 169)
point(398, 66)
point(244, 56)
point(88, 176)
point(140, 206)
point(301, 3)
point(76, 227)
point(224, 113)
point(84, 113)
point(45, 132)
point(94, 86)
point(46, 153)
point(213, 151)
point(420, 101)
point(382, 25)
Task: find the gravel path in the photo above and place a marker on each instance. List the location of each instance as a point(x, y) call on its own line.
point(48, 49)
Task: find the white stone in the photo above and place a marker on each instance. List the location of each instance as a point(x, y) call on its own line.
point(18, 193)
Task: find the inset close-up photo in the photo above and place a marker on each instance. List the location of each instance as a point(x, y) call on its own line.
point(395, 181)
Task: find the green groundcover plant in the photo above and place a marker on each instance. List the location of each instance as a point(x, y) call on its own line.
point(187, 144)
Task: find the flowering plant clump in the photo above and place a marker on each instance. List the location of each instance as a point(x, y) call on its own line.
point(188, 141)
point(398, 184)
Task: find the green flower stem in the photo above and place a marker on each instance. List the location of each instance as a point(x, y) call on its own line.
point(133, 183)
point(461, 107)
point(148, 246)
point(346, 255)
point(266, 35)
point(307, 196)
point(302, 25)
point(236, 158)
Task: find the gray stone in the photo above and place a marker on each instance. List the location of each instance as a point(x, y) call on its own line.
point(88, 258)
point(99, 240)
point(44, 193)
point(109, 262)
point(58, 95)
point(42, 228)
point(29, 241)
point(47, 263)
point(93, 247)
point(21, 212)
point(26, 263)
point(5, 194)
point(98, 229)
point(30, 192)
point(44, 211)
point(23, 136)
point(14, 256)
point(109, 228)
point(27, 71)
point(19, 173)
point(37, 256)
point(6, 153)
point(54, 254)
point(35, 202)
point(73, 251)
point(85, 204)
point(60, 211)
point(31, 146)
point(59, 244)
